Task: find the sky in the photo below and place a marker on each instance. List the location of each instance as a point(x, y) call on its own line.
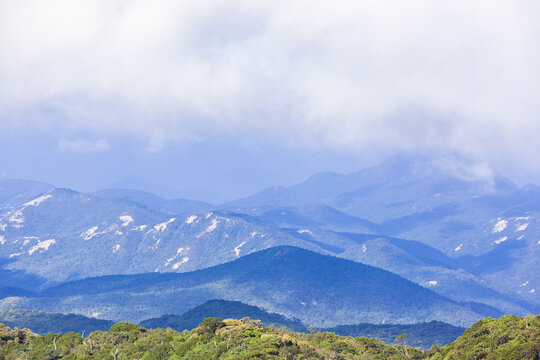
point(219, 99)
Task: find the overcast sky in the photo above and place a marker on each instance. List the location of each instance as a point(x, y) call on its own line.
point(233, 96)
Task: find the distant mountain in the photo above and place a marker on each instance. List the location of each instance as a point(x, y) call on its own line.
point(460, 208)
point(154, 202)
point(13, 192)
point(423, 335)
point(43, 323)
point(138, 183)
point(223, 309)
point(317, 289)
point(63, 235)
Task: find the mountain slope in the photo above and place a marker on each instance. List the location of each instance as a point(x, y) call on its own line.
point(317, 289)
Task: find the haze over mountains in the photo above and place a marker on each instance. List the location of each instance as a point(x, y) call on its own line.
point(468, 241)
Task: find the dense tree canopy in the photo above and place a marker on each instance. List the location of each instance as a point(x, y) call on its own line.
point(508, 338)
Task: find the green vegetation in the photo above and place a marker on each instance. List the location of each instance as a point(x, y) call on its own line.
point(509, 337)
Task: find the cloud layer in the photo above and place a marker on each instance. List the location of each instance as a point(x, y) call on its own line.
point(347, 76)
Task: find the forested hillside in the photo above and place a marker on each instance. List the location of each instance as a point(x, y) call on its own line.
point(509, 338)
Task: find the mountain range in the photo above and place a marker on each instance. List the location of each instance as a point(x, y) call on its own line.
point(450, 226)
point(319, 290)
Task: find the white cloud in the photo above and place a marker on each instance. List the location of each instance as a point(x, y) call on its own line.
point(82, 145)
point(345, 75)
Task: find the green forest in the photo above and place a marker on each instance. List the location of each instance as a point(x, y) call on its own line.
point(509, 338)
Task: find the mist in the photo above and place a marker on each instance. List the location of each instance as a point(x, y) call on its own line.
point(227, 98)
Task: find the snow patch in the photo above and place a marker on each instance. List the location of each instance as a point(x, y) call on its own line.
point(191, 219)
point(237, 249)
point(524, 284)
point(2, 240)
point(37, 200)
point(44, 245)
point(432, 283)
point(305, 232)
point(90, 233)
point(161, 227)
point(501, 240)
point(364, 248)
point(210, 228)
point(177, 265)
point(522, 227)
point(126, 220)
point(118, 233)
point(3, 227)
point(532, 291)
point(499, 226)
point(208, 215)
point(179, 252)
point(253, 234)
point(521, 237)
point(14, 255)
point(459, 247)
point(116, 248)
point(140, 228)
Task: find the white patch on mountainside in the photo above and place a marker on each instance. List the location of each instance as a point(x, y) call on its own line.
point(523, 218)
point(17, 216)
point(90, 233)
point(364, 248)
point(208, 215)
point(25, 242)
point(179, 252)
point(3, 227)
point(253, 234)
point(432, 283)
point(2, 240)
point(459, 247)
point(237, 249)
point(118, 233)
point(501, 240)
point(37, 200)
point(177, 265)
point(43, 245)
point(521, 237)
point(14, 255)
point(116, 248)
point(191, 219)
point(522, 227)
point(140, 228)
point(532, 291)
point(210, 228)
point(499, 226)
point(305, 232)
point(524, 284)
point(161, 227)
point(126, 220)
